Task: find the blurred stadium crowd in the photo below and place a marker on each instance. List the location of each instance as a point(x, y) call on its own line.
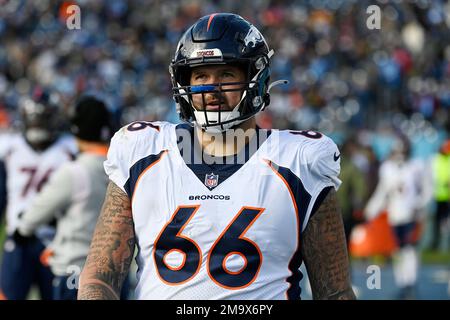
point(342, 75)
point(360, 86)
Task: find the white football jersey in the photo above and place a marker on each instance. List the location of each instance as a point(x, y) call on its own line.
point(28, 170)
point(220, 231)
point(404, 188)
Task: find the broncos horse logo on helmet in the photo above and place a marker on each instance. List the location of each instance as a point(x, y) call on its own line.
point(222, 38)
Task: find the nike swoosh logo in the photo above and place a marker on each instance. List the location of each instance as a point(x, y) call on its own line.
point(336, 157)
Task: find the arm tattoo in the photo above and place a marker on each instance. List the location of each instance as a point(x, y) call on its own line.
point(111, 249)
point(325, 254)
point(97, 291)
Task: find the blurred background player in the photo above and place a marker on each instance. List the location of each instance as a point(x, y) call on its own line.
point(30, 159)
point(77, 189)
point(403, 191)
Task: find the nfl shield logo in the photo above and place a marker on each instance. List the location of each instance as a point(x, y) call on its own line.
point(211, 180)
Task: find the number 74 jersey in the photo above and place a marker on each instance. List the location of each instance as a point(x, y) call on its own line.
point(28, 170)
point(220, 231)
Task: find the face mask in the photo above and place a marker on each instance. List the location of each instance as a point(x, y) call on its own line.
point(37, 135)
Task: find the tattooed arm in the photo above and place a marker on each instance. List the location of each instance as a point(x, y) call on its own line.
point(111, 249)
point(325, 254)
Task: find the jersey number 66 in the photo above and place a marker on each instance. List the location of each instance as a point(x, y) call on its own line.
point(230, 242)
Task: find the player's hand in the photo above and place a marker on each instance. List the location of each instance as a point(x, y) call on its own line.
point(21, 239)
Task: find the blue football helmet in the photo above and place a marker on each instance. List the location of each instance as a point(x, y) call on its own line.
point(222, 38)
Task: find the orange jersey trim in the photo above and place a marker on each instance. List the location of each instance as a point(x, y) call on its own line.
point(143, 172)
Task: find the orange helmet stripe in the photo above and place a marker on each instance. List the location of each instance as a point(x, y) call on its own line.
point(211, 17)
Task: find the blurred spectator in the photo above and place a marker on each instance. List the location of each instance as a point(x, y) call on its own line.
point(352, 192)
point(441, 175)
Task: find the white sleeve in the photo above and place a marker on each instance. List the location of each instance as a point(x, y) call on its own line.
point(128, 146)
point(118, 160)
point(54, 197)
point(324, 170)
point(327, 164)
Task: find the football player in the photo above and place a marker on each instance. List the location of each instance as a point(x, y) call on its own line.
point(77, 188)
point(30, 158)
point(219, 208)
point(404, 190)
